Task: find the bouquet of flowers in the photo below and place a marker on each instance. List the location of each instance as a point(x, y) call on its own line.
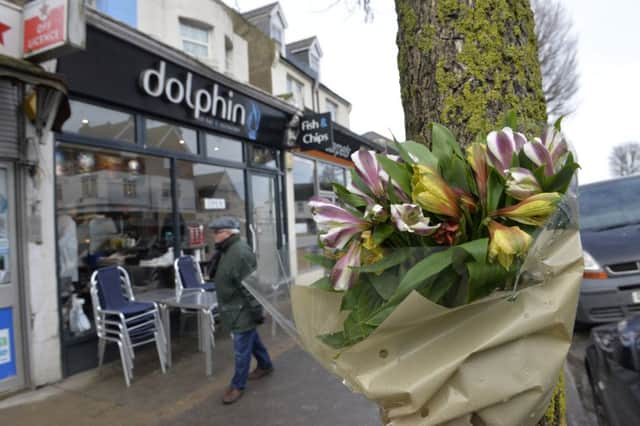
point(429, 305)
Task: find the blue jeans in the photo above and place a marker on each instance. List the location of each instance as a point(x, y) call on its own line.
point(245, 344)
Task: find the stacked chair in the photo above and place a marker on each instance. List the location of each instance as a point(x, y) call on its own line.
point(120, 319)
point(188, 277)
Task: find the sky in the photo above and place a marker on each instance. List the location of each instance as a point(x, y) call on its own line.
point(359, 63)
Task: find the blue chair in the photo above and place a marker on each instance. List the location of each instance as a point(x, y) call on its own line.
point(189, 275)
point(120, 319)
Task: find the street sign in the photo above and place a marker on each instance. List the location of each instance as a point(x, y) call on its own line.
point(53, 28)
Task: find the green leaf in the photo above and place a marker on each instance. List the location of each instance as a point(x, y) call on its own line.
point(484, 278)
point(380, 316)
point(357, 181)
point(476, 248)
point(386, 283)
point(495, 187)
point(420, 272)
point(561, 181)
point(393, 258)
point(420, 152)
point(396, 172)
point(348, 197)
point(443, 283)
point(381, 232)
point(443, 143)
point(317, 259)
point(455, 171)
point(335, 340)
point(510, 119)
point(323, 284)
point(558, 123)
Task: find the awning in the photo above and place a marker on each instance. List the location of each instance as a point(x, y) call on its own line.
point(27, 72)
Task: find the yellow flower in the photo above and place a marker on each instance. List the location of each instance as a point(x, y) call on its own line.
point(477, 159)
point(432, 193)
point(507, 242)
point(533, 210)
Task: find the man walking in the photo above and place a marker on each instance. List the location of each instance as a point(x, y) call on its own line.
point(233, 261)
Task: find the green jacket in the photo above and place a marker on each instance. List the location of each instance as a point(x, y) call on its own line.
point(236, 262)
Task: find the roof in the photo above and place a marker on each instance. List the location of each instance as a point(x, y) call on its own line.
point(376, 137)
point(301, 44)
point(264, 10)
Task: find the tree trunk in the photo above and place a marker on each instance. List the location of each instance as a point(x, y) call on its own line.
point(465, 64)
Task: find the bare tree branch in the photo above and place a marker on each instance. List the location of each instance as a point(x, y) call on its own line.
point(624, 159)
point(557, 53)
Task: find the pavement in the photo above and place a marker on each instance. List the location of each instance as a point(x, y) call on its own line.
point(299, 392)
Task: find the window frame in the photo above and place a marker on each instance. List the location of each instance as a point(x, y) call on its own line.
point(199, 26)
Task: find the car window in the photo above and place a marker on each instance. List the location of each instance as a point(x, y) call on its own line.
point(610, 205)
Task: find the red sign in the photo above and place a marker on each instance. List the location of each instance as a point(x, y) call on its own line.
point(44, 25)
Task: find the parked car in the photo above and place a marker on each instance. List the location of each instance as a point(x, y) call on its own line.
point(610, 231)
point(613, 366)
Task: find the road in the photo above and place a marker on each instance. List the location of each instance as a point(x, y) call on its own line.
point(577, 415)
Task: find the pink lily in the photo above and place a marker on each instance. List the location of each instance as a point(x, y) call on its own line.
point(342, 275)
point(521, 183)
point(539, 154)
point(368, 169)
point(340, 224)
point(557, 146)
point(409, 218)
point(501, 147)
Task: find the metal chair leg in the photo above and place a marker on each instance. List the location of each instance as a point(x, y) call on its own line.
point(125, 366)
point(102, 344)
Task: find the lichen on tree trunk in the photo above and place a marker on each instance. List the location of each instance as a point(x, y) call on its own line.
point(465, 64)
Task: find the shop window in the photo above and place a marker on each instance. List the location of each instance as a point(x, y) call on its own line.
point(266, 157)
point(195, 39)
point(98, 122)
point(207, 192)
point(110, 211)
point(328, 174)
point(304, 190)
point(223, 148)
point(168, 136)
point(296, 88)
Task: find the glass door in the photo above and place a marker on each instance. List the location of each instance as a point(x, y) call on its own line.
point(263, 228)
point(11, 371)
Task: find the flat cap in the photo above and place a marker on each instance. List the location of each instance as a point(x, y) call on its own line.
point(225, 222)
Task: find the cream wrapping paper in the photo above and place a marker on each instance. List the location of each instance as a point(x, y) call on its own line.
point(496, 360)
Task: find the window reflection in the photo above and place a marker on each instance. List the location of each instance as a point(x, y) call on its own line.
point(167, 136)
point(111, 210)
point(264, 156)
point(328, 174)
point(94, 121)
point(304, 190)
point(223, 148)
point(207, 192)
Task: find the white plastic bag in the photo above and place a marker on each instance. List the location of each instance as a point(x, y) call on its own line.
point(78, 321)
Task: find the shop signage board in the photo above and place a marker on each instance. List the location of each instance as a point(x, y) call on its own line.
point(10, 30)
point(163, 88)
point(316, 131)
point(215, 204)
point(52, 28)
point(7, 350)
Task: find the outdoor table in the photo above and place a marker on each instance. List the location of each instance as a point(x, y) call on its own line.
point(203, 302)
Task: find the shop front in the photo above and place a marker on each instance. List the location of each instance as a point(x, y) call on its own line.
point(323, 158)
point(156, 147)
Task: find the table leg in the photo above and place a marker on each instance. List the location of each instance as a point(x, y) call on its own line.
point(164, 314)
point(206, 339)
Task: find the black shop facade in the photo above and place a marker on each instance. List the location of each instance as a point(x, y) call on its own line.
point(156, 147)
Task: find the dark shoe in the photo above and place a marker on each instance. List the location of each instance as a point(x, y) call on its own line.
point(231, 396)
point(259, 373)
